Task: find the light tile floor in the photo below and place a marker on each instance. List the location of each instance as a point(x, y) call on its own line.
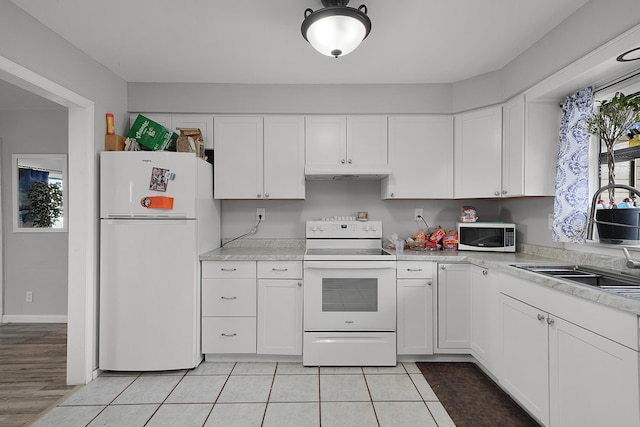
point(255, 394)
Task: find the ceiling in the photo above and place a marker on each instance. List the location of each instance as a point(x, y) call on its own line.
point(259, 41)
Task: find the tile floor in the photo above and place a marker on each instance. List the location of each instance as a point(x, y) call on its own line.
point(255, 394)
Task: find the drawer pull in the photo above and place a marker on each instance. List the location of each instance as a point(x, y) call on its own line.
point(414, 269)
point(228, 269)
point(279, 269)
point(229, 298)
point(228, 335)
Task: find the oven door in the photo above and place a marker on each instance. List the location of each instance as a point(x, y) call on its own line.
point(349, 296)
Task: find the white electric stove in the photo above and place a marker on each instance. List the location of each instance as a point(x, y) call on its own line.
point(350, 295)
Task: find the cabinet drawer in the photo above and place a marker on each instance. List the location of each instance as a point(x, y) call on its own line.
point(228, 297)
point(228, 269)
point(414, 269)
point(280, 269)
point(228, 334)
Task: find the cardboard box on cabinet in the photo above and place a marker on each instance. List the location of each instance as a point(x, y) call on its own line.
point(114, 143)
point(190, 141)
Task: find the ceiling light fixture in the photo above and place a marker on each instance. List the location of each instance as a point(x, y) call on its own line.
point(630, 55)
point(337, 29)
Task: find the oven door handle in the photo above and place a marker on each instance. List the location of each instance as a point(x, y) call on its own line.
point(350, 265)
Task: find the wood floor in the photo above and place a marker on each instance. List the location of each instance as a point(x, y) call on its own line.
point(33, 362)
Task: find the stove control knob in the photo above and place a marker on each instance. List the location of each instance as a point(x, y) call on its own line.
point(373, 227)
point(321, 228)
point(314, 228)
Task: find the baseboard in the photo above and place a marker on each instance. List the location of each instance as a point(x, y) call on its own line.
point(34, 318)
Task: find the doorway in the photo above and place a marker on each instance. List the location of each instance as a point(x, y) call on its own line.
point(82, 233)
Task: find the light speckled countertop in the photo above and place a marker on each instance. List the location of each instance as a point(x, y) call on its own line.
point(293, 250)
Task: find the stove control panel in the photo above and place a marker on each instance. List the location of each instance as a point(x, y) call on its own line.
point(347, 229)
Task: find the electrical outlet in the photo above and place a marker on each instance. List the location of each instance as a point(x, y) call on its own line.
point(550, 221)
point(29, 297)
point(417, 213)
point(260, 214)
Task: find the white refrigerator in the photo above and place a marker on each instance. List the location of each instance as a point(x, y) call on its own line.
point(157, 216)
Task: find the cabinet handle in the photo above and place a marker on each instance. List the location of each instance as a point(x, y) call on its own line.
point(259, 195)
point(343, 161)
point(414, 269)
point(442, 267)
point(485, 272)
point(496, 193)
point(266, 195)
point(228, 335)
point(228, 269)
point(392, 195)
point(299, 283)
point(279, 269)
point(504, 192)
point(429, 282)
point(540, 317)
point(550, 321)
point(349, 161)
point(229, 298)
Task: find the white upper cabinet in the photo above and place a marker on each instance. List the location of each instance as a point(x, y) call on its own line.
point(259, 158)
point(284, 157)
point(513, 147)
point(416, 144)
point(478, 153)
point(346, 142)
point(204, 122)
point(238, 158)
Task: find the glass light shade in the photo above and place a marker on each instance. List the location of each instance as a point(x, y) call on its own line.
point(336, 35)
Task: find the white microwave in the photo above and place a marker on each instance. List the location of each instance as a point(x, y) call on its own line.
point(487, 236)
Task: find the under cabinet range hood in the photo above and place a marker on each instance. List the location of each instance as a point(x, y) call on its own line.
point(345, 174)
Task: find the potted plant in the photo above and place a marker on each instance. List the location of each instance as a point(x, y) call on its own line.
point(610, 121)
point(45, 204)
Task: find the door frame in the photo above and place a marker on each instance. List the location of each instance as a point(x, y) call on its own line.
point(82, 229)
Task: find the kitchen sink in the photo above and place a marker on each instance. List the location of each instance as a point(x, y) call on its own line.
point(606, 280)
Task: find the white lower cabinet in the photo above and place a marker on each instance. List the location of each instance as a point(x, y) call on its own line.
point(228, 307)
point(415, 284)
point(484, 317)
point(279, 307)
point(454, 308)
point(566, 375)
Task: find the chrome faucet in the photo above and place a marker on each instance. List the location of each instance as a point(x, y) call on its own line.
point(591, 220)
point(631, 263)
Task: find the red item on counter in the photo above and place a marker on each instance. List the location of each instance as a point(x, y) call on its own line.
point(437, 235)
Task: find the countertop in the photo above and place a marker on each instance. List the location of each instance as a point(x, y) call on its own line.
point(293, 250)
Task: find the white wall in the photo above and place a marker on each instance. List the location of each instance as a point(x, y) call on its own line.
point(24, 41)
point(34, 261)
point(285, 218)
point(531, 216)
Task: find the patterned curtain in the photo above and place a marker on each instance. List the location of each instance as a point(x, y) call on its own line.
point(571, 206)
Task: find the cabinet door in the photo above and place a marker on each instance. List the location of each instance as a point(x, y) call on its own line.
point(238, 170)
point(454, 306)
point(367, 141)
point(284, 157)
point(525, 370)
point(326, 141)
point(279, 316)
point(541, 147)
point(415, 316)
point(204, 122)
point(593, 380)
point(513, 116)
point(478, 153)
point(483, 316)
point(416, 144)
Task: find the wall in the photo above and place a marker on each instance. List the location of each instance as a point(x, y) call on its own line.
point(285, 218)
point(25, 41)
point(32, 261)
point(531, 216)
